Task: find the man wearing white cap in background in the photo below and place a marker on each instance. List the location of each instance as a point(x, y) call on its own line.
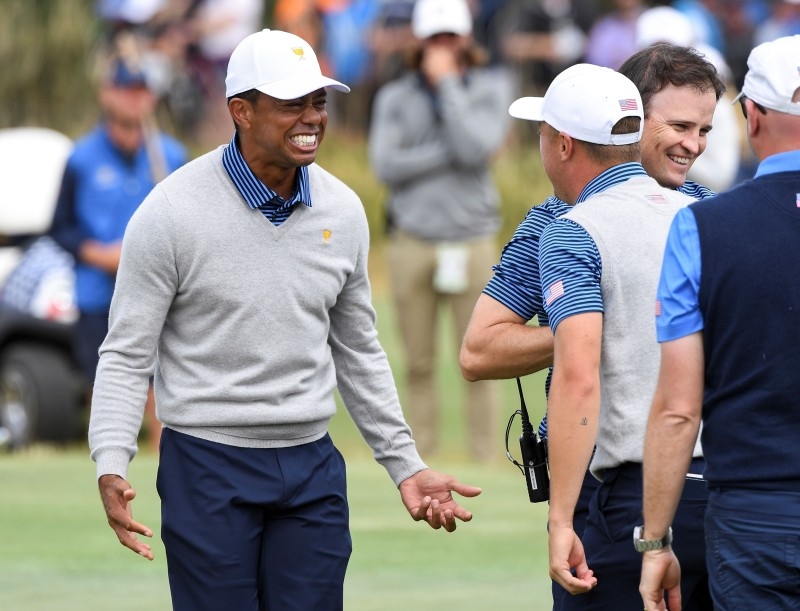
point(245, 276)
point(599, 266)
point(728, 319)
point(434, 133)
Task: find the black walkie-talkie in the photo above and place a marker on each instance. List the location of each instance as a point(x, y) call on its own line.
point(534, 456)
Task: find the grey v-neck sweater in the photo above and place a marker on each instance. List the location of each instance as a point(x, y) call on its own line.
point(251, 326)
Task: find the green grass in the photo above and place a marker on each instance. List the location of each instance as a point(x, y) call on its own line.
point(57, 551)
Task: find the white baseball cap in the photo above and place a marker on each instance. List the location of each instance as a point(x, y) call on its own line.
point(773, 74)
point(586, 101)
point(431, 17)
point(277, 63)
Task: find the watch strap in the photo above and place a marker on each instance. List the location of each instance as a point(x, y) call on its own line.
point(647, 545)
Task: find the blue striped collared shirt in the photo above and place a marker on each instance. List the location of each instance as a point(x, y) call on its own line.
point(259, 196)
point(574, 260)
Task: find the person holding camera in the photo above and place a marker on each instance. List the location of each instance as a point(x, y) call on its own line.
point(433, 134)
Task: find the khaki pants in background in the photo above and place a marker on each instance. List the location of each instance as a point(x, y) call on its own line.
point(412, 265)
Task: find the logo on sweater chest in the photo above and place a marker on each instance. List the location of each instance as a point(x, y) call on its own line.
point(326, 236)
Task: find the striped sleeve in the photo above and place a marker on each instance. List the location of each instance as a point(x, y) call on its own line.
point(516, 283)
point(570, 269)
point(695, 190)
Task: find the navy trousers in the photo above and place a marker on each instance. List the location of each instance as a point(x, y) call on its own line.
point(253, 529)
point(753, 542)
point(614, 511)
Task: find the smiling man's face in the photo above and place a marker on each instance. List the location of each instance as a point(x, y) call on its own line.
point(675, 129)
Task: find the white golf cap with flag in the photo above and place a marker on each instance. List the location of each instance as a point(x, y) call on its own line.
point(431, 17)
point(277, 63)
point(586, 101)
point(773, 74)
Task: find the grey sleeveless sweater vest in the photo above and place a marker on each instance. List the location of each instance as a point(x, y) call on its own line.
point(629, 223)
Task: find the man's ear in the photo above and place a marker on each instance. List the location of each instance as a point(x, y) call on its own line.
point(241, 112)
point(566, 146)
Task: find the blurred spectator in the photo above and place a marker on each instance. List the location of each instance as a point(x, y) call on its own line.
point(217, 26)
point(434, 132)
point(547, 37)
point(738, 30)
point(391, 40)
point(346, 25)
point(783, 20)
point(347, 28)
point(703, 16)
point(612, 38)
point(160, 34)
point(301, 18)
point(490, 27)
point(718, 167)
point(108, 174)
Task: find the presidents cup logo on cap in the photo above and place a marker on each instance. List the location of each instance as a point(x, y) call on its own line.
point(278, 64)
point(586, 102)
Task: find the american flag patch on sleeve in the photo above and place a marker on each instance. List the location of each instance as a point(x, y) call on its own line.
point(628, 104)
point(553, 292)
point(658, 307)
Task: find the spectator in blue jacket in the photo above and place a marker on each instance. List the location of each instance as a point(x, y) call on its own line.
point(109, 173)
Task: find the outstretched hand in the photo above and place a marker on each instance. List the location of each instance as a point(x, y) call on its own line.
point(428, 496)
point(117, 494)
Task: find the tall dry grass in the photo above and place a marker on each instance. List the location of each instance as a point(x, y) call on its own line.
point(44, 50)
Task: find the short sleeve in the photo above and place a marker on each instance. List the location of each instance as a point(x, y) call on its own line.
point(677, 303)
point(571, 269)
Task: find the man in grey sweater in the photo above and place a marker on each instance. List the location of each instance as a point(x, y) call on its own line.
point(244, 277)
point(433, 134)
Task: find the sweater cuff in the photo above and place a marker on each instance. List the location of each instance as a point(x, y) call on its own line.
point(112, 461)
point(401, 467)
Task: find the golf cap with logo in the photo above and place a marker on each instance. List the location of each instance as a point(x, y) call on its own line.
point(773, 74)
point(431, 17)
point(277, 63)
point(586, 101)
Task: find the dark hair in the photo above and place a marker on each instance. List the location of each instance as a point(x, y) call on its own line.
point(661, 64)
point(614, 154)
point(251, 95)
